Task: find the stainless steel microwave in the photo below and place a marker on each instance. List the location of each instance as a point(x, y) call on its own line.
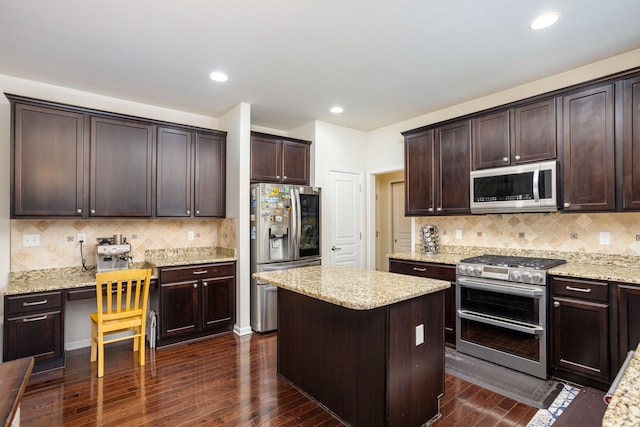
point(529, 187)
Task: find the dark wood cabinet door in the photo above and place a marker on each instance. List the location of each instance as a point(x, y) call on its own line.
point(580, 332)
point(630, 146)
point(48, 156)
point(218, 301)
point(266, 159)
point(173, 173)
point(121, 168)
point(534, 135)
point(628, 318)
point(39, 336)
point(452, 166)
point(491, 140)
point(418, 174)
point(295, 162)
point(588, 149)
point(179, 311)
point(210, 175)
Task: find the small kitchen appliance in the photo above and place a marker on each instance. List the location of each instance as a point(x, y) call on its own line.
point(501, 310)
point(111, 255)
point(429, 239)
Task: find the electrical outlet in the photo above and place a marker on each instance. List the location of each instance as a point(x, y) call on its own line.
point(458, 234)
point(31, 240)
point(419, 334)
point(573, 236)
point(605, 238)
point(82, 238)
point(190, 235)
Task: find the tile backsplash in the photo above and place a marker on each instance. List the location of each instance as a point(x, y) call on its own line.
point(59, 247)
point(565, 232)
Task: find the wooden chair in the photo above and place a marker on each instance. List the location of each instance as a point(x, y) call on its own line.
point(121, 307)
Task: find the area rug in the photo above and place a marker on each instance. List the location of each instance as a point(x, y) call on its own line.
point(524, 388)
point(546, 417)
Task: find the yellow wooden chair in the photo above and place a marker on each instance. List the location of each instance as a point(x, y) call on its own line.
point(121, 307)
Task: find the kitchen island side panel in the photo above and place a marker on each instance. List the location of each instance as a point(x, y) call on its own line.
point(334, 354)
point(363, 364)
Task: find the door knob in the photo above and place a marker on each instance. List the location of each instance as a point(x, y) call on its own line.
point(334, 248)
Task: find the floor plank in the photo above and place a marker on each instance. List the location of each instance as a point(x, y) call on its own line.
point(226, 380)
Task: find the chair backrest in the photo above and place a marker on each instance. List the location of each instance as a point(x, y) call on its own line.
point(122, 293)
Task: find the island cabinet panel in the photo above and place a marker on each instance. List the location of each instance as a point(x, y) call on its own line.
point(364, 365)
point(588, 149)
point(48, 154)
point(121, 168)
point(34, 327)
point(628, 297)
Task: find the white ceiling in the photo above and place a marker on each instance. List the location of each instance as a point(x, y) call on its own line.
point(382, 60)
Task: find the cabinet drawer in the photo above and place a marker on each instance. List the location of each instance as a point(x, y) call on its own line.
point(30, 303)
point(423, 269)
point(203, 271)
point(580, 289)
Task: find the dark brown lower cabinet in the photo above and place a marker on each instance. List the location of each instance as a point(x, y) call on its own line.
point(434, 271)
point(34, 327)
point(580, 331)
point(194, 301)
point(628, 318)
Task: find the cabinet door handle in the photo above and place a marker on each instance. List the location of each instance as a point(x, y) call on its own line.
point(567, 205)
point(79, 211)
point(284, 177)
point(195, 286)
point(205, 284)
point(277, 176)
point(556, 304)
point(188, 212)
point(422, 269)
point(505, 159)
point(430, 209)
point(517, 157)
point(34, 319)
point(28, 304)
point(201, 272)
point(197, 212)
point(571, 288)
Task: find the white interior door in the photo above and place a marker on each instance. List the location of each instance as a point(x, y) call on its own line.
point(401, 224)
point(344, 222)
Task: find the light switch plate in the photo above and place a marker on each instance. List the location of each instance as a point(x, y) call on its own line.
point(190, 235)
point(419, 334)
point(458, 234)
point(605, 238)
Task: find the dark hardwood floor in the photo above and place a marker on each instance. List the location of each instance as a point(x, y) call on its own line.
point(224, 380)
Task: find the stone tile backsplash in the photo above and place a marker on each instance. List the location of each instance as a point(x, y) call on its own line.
point(566, 232)
point(59, 247)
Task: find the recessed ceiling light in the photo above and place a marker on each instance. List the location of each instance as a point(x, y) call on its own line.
point(336, 110)
point(544, 21)
point(218, 76)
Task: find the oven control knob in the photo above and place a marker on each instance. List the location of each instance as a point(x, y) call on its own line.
point(538, 278)
point(477, 271)
point(462, 269)
point(515, 276)
point(526, 277)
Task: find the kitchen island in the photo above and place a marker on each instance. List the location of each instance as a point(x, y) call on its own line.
point(367, 345)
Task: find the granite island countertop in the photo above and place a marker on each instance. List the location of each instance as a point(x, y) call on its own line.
point(352, 287)
point(51, 279)
point(624, 408)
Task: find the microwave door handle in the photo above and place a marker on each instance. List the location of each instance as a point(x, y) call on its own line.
point(536, 183)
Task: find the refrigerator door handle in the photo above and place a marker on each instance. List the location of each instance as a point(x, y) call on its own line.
point(295, 224)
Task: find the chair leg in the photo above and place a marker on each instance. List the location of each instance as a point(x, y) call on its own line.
point(141, 346)
point(135, 339)
point(100, 354)
point(94, 344)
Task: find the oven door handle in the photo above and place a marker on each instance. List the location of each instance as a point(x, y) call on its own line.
point(500, 322)
point(531, 292)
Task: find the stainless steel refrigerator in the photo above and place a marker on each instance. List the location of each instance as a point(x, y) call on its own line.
point(285, 233)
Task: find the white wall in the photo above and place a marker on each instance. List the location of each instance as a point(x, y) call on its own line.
point(237, 122)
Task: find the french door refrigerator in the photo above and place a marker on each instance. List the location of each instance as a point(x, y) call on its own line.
point(285, 233)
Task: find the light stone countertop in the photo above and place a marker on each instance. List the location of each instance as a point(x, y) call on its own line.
point(623, 410)
point(351, 287)
point(52, 279)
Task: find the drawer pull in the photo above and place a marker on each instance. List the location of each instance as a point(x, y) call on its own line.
point(34, 319)
point(422, 269)
point(571, 288)
point(201, 272)
point(28, 304)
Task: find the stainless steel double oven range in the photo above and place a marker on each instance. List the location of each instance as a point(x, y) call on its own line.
point(501, 304)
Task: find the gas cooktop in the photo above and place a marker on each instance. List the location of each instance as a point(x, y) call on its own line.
point(515, 261)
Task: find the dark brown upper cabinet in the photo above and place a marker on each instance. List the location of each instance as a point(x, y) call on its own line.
point(628, 145)
point(518, 135)
point(279, 159)
point(433, 185)
point(48, 157)
point(588, 149)
point(191, 175)
point(121, 168)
